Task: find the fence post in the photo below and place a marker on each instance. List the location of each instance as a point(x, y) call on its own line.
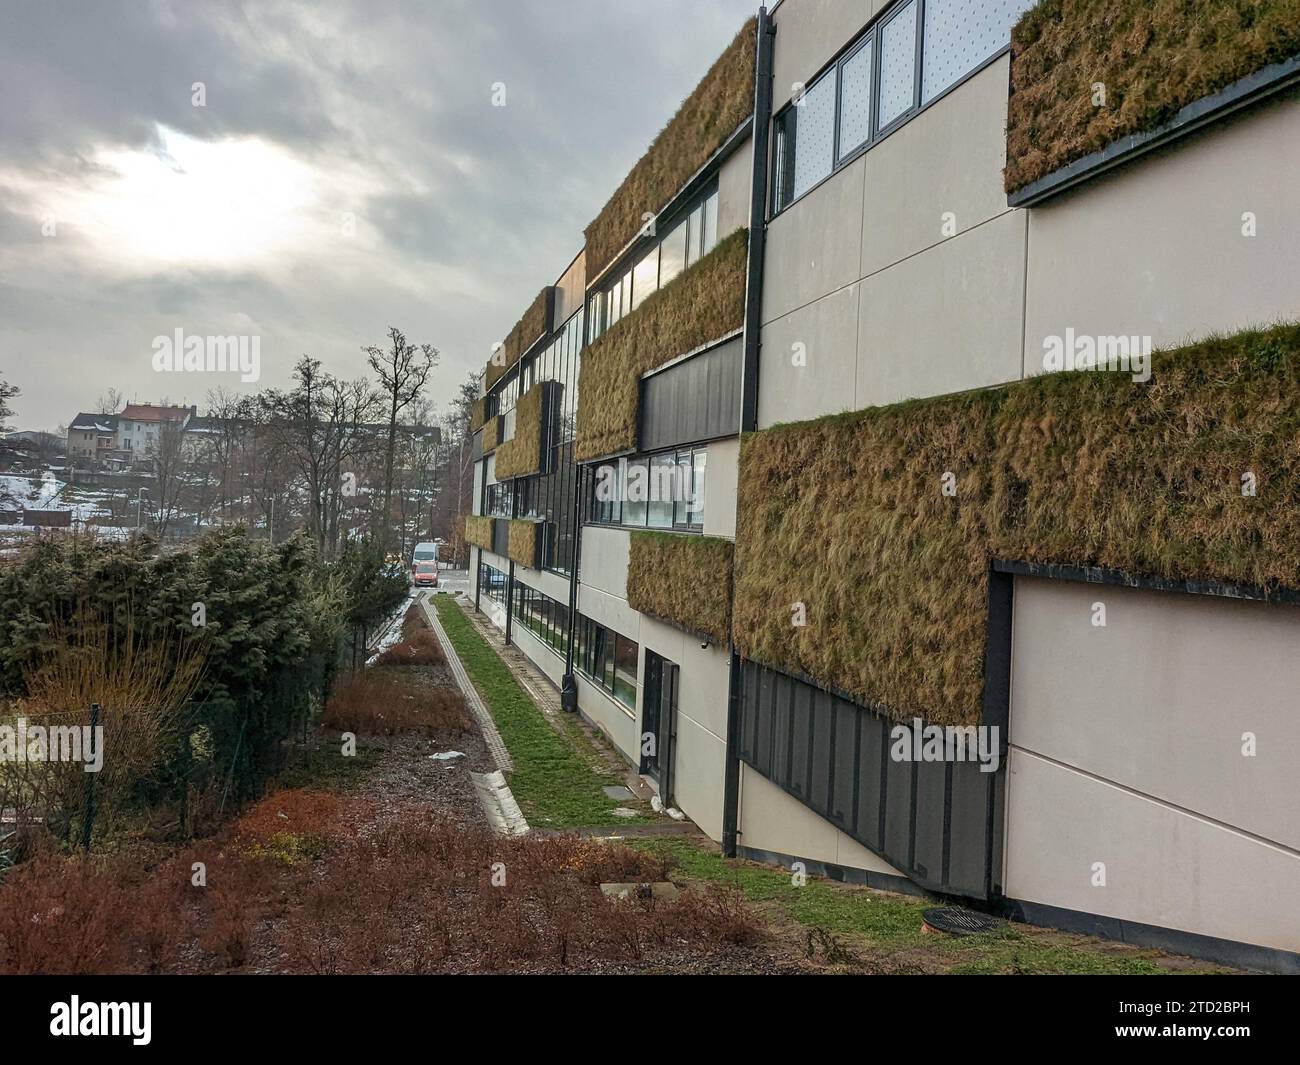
point(88, 814)
point(233, 762)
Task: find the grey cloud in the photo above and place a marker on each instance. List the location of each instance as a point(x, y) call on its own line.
point(486, 203)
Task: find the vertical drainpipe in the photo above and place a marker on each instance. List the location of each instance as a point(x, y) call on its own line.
point(568, 685)
point(510, 598)
point(749, 382)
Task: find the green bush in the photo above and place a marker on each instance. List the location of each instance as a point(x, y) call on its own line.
point(271, 620)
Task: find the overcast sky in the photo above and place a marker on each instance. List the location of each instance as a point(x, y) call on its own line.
point(347, 171)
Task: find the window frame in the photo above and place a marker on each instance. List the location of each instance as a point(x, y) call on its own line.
point(878, 33)
point(784, 141)
point(602, 314)
point(596, 648)
point(613, 514)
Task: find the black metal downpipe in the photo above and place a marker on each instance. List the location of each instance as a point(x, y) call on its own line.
point(749, 381)
point(568, 685)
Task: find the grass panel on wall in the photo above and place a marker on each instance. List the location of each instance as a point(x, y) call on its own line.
point(864, 540)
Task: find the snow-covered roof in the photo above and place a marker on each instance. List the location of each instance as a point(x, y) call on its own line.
point(98, 423)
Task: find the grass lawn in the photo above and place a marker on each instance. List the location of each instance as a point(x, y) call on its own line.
point(556, 781)
point(881, 931)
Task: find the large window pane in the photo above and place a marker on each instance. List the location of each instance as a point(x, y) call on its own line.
point(580, 643)
point(959, 35)
point(855, 99)
point(897, 65)
point(625, 671)
point(560, 619)
point(710, 222)
point(616, 302)
point(645, 278)
point(695, 511)
point(635, 492)
point(663, 477)
point(683, 504)
point(672, 254)
point(605, 667)
point(694, 234)
point(814, 135)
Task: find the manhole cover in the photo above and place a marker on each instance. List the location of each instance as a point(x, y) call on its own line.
point(959, 922)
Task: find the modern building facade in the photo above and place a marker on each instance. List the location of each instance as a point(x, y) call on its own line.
point(914, 609)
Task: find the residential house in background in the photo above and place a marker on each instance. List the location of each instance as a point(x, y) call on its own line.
point(140, 427)
point(92, 440)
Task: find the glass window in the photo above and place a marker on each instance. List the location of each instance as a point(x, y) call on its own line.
point(645, 277)
point(682, 506)
point(959, 35)
point(814, 135)
point(897, 65)
point(605, 658)
point(586, 637)
point(635, 492)
point(855, 99)
point(560, 620)
point(606, 493)
point(672, 254)
point(694, 234)
point(625, 657)
point(711, 222)
point(695, 508)
point(616, 302)
point(580, 644)
point(662, 491)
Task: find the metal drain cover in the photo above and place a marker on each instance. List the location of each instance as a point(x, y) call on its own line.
point(960, 922)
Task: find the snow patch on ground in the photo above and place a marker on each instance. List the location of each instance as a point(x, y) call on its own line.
point(393, 634)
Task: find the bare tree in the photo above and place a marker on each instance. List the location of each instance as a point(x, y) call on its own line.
point(169, 461)
point(232, 417)
point(402, 370)
point(453, 502)
point(321, 425)
point(109, 403)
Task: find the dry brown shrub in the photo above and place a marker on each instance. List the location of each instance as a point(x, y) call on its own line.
point(142, 685)
point(421, 648)
point(377, 702)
